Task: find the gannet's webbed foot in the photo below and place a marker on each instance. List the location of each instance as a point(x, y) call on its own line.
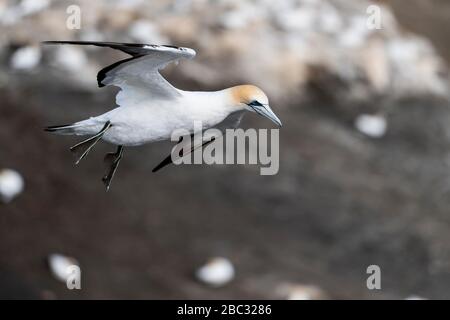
point(112, 159)
point(82, 149)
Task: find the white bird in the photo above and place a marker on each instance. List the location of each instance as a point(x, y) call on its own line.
point(150, 108)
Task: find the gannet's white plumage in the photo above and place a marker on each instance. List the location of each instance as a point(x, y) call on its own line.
point(152, 119)
point(150, 108)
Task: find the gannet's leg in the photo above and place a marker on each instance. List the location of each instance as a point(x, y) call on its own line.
point(113, 159)
point(85, 146)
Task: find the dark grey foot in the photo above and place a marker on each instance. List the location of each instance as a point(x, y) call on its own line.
point(82, 149)
point(112, 159)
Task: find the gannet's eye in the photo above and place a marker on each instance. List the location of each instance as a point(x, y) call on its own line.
point(255, 103)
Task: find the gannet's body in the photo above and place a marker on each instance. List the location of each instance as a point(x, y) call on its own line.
point(135, 124)
point(151, 109)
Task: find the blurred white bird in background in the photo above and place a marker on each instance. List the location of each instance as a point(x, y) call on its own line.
point(151, 109)
point(11, 184)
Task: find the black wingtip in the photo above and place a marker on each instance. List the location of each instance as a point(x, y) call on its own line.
point(66, 42)
point(101, 75)
point(165, 162)
point(55, 42)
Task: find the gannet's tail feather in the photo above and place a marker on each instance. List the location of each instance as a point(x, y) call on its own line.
point(63, 129)
point(80, 128)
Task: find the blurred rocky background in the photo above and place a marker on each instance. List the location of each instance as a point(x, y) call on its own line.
point(364, 154)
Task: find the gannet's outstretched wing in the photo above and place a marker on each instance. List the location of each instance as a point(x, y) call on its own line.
point(138, 76)
point(189, 144)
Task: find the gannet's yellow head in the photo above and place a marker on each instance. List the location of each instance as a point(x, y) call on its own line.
point(252, 98)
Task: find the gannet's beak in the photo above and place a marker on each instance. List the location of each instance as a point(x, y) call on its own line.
point(266, 111)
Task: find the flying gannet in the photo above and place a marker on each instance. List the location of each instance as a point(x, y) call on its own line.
point(150, 108)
